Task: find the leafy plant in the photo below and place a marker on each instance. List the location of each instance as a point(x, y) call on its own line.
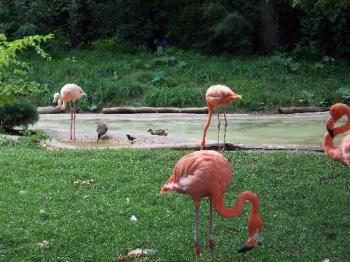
point(179, 97)
point(161, 79)
point(17, 114)
point(285, 61)
point(306, 97)
point(14, 80)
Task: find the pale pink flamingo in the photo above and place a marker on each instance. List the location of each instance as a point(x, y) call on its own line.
point(217, 96)
point(69, 94)
point(342, 153)
point(208, 174)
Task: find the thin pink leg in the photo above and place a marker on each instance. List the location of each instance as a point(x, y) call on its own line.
point(211, 235)
point(198, 247)
point(226, 124)
point(71, 123)
point(218, 130)
point(74, 122)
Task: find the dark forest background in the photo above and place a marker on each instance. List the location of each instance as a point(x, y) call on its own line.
point(306, 27)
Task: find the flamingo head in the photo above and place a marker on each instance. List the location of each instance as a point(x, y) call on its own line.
point(233, 96)
point(56, 97)
point(336, 112)
point(82, 93)
point(255, 226)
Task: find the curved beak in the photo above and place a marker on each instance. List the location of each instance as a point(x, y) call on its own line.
point(251, 243)
point(235, 96)
point(330, 127)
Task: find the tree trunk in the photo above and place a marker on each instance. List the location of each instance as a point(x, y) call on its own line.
point(269, 27)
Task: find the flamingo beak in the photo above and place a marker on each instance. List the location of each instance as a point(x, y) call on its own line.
point(235, 96)
point(330, 125)
point(250, 243)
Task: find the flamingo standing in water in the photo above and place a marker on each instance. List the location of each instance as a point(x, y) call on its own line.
point(217, 96)
point(342, 153)
point(69, 94)
point(208, 174)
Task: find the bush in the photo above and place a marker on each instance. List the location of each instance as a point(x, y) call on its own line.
point(17, 114)
point(179, 97)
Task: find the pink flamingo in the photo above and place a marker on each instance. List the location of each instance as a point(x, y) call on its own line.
point(217, 96)
point(69, 93)
point(208, 174)
point(342, 153)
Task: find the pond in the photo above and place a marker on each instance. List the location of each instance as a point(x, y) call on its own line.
point(297, 129)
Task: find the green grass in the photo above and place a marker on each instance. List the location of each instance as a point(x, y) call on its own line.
point(304, 204)
point(112, 77)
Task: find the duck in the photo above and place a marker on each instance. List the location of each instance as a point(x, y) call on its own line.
point(101, 130)
point(158, 132)
point(131, 138)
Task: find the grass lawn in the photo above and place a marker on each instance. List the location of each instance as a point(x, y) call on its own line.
point(112, 77)
point(304, 204)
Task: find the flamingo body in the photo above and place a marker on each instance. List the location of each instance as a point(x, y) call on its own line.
point(208, 174)
point(69, 93)
point(217, 96)
point(342, 153)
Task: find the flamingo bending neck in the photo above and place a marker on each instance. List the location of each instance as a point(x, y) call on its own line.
point(254, 220)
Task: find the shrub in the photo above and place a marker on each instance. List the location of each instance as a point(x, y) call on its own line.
point(180, 97)
point(17, 114)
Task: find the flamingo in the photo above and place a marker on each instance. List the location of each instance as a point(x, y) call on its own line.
point(208, 173)
point(69, 93)
point(217, 96)
point(342, 153)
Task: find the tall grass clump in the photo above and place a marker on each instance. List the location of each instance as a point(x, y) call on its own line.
point(178, 97)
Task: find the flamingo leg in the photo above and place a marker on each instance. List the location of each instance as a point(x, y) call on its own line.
point(198, 247)
point(226, 124)
point(218, 130)
point(74, 120)
point(71, 121)
point(211, 235)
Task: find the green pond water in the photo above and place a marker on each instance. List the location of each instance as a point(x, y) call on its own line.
point(296, 129)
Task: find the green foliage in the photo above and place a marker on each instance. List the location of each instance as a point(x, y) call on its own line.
point(211, 26)
point(265, 83)
point(324, 20)
point(178, 97)
point(17, 114)
point(14, 80)
point(282, 59)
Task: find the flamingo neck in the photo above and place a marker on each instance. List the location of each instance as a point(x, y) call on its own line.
point(239, 205)
point(328, 146)
point(206, 126)
point(342, 129)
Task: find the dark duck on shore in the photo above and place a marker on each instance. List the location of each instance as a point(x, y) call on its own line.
point(130, 138)
point(158, 132)
point(101, 130)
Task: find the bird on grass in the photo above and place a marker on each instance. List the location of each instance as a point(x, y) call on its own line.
point(158, 132)
point(131, 138)
point(208, 174)
point(101, 130)
point(68, 95)
point(217, 96)
point(342, 153)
